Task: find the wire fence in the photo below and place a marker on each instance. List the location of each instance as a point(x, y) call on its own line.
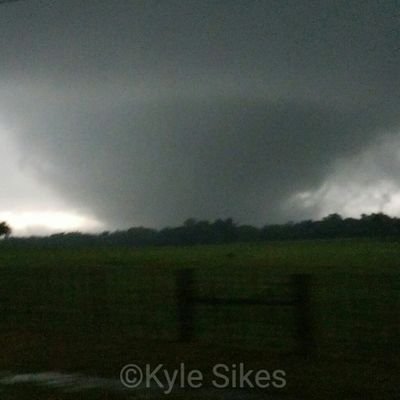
point(347, 314)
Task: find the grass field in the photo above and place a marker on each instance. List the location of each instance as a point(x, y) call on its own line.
point(59, 295)
point(322, 256)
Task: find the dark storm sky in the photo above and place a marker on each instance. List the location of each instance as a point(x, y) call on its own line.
point(149, 112)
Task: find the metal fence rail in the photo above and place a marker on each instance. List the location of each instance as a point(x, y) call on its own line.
point(188, 300)
point(349, 313)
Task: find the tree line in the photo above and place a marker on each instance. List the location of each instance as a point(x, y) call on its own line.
point(192, 232)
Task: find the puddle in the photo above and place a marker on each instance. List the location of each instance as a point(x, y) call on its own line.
point(64, 382)
point(80, 383)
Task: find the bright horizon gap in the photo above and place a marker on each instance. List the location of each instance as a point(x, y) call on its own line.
point(34, 222)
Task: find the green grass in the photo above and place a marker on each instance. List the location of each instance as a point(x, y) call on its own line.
point(297, 256)
point(355, 304)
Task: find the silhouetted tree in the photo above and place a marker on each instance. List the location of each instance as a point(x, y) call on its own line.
point(194, 232)
point(5, 230)
point(331, 226)
point(225, 230)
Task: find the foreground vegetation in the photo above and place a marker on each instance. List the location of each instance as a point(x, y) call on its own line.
point(322, 256)
point(66, 315)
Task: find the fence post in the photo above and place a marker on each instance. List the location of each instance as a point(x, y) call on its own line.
point(305, 333)
point(185, 284)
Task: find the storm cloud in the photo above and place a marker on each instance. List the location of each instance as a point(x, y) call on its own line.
point(149, 112)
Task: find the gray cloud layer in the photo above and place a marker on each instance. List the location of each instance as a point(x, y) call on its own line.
point(147, 112)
